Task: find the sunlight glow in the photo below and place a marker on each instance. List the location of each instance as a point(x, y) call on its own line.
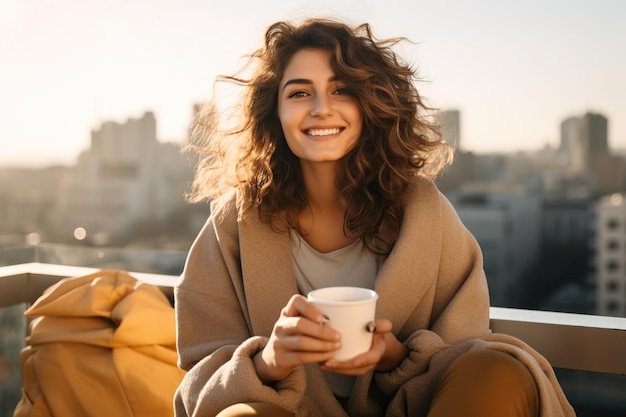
point(80, 233)
point(9, 11)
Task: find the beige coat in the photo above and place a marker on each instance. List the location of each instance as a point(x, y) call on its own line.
point(239, 275)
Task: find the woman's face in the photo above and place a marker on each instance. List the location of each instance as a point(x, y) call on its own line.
point(321, 122)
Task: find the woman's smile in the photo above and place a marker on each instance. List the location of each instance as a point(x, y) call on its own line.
point(322, 132)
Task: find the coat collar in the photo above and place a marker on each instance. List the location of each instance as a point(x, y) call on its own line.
point(404, 278)
point(268, 276)
point(411, 269)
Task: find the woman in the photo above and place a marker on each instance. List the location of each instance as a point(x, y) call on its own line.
point(329, 182)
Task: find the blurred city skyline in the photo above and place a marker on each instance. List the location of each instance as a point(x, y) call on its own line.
point(515, 70)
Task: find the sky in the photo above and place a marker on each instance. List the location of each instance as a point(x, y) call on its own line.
point(515, 69)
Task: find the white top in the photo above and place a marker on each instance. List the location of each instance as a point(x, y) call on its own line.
point(353, 266)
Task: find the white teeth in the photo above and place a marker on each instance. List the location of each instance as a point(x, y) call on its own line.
point(323, 132)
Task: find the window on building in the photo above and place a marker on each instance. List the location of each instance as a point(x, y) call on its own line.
point(612, 224)
point(612, 307)
point(612, 286)
point(612, 245)
point(612, 265)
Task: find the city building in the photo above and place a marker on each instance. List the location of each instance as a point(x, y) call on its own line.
point(585, 147)
point(563, 273)
point(610, 254)
point(462, 169)
point(126, 177)
point(450, 124)
point(574, 145)
point(595, 132)
point(27, 199)
point(608, 173)
point(584, 137)
point(565, 220)
point(507, 226)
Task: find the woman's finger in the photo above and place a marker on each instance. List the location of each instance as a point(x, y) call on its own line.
point(362, 363)
point(303, 327)
point(298, 305)
point(382, 326)
point(303, 343)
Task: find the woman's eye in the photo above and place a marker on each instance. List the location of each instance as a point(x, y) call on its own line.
point(343, 91)
point(297, 93)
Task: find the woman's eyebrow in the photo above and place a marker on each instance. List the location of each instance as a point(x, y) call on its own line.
point(297, 81)
point(305, 81)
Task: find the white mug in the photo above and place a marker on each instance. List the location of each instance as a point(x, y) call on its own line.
point(351, 311)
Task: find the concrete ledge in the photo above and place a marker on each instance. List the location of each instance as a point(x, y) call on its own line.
point(24, 283)
point(569, 341)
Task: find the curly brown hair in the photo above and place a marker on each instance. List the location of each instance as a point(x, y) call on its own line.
point(400, 137)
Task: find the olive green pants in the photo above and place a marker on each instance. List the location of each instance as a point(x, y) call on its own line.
point(480, 383)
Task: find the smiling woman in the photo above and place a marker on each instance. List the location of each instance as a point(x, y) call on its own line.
point(268, 157)
point(329, 183)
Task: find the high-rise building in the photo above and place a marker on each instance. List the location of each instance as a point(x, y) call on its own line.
point(450, 122)
point(583, 139)
point(607, 171)
point(595, 130)
point(463, 166)
point(585, 147)
point(574, 144)
point(610, 264)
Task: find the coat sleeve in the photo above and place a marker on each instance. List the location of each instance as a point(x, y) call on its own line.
point(457, 299)
point(214, 339)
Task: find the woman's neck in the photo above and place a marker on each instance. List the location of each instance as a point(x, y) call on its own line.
point(322, 222)
point(320, 184)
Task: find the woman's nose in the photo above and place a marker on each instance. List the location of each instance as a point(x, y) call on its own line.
point(321, 107)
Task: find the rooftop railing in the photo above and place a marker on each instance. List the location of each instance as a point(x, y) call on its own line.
point(577, 342)
point(568, 341)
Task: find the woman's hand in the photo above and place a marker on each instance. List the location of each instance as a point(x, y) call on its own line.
point(385, 354)
point(297, 338)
